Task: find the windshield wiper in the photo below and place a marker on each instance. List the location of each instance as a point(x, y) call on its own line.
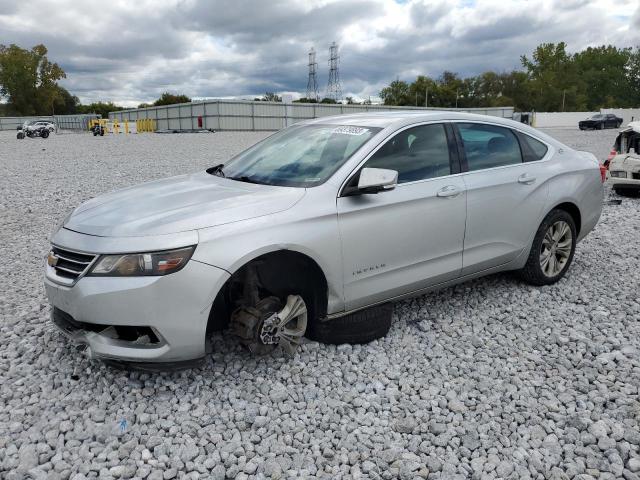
point(246, 179)
point(217, 170)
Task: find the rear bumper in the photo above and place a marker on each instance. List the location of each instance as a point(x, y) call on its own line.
point(170, 311)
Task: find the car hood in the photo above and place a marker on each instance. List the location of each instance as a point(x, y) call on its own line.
point(631, 127)
point(625, 160)
point(178, 204)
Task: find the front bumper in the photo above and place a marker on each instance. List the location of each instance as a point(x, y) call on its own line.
point(175, 308)
point(629, 183)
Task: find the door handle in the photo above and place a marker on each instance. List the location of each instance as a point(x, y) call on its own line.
point(526, 179)
point(449, 191)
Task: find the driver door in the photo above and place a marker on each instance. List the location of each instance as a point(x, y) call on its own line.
point(409, 238)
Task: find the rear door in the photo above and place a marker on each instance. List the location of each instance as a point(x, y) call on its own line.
point(402, 240)
point(612, 120)
point(506, 184)
point(608, 121)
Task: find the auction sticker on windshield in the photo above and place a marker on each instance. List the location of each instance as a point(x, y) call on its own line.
point(350, 130)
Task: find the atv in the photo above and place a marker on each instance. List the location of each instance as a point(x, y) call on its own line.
point(33, 130)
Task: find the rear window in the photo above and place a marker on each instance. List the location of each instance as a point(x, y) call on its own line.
point(532, 149)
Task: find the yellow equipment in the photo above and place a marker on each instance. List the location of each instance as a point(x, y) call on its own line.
point(113, 126)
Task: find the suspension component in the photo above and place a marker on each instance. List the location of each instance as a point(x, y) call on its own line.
point(269, 324)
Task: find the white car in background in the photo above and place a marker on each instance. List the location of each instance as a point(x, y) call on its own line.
point(48, 125)
point(315, 230)
point(624, 162)
point(32, 125)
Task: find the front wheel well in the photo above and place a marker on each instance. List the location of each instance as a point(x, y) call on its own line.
point(573, 210)
point(278, 273)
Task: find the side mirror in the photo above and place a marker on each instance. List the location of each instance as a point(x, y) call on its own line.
point(375, 180)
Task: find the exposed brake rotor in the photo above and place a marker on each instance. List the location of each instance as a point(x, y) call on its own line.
point(269, 324)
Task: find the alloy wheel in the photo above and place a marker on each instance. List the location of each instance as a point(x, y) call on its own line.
point(556, 249)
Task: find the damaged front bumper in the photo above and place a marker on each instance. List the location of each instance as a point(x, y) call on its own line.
point(139, 319)
point(624, 168)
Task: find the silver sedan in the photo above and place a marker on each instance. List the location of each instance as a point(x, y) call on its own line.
point(315, 231)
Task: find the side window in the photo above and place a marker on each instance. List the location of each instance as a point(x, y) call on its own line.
point(417, 153)
point(532, 149)
point(488, 146)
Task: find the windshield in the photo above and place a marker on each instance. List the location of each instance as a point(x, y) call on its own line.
point(299, 156)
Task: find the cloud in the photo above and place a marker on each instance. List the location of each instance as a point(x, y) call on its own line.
point(131, 52)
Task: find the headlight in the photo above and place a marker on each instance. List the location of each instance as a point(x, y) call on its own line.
point(142, 264)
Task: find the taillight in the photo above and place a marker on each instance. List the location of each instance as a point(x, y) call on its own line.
point(603, 173)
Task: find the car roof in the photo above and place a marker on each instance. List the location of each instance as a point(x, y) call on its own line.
point(400, 118)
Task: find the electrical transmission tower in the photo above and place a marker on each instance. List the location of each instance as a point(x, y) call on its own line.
point(312, 83)
point(334, 89)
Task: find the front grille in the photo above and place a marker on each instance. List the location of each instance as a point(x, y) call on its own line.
point(68, 264)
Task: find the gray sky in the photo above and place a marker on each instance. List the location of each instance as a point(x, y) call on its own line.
point(130, 52)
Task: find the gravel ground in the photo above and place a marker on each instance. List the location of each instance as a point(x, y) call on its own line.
point(490, 379)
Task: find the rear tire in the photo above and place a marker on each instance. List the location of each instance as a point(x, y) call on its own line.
point(534, 272)
point(362, 326)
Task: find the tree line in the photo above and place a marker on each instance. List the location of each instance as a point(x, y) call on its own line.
point(551, 80)
point(29, 84)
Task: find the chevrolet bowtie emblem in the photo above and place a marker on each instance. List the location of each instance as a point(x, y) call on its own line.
point(52, 260)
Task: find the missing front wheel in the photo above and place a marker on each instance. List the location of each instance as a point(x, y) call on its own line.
point(270, 324)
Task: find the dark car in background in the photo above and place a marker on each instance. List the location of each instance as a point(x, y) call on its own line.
point(600, 121)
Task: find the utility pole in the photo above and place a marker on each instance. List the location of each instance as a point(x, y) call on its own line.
point(426, 97)
point(334, 88)
point(312, 83)
point(563, 95)
point(456, 98)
